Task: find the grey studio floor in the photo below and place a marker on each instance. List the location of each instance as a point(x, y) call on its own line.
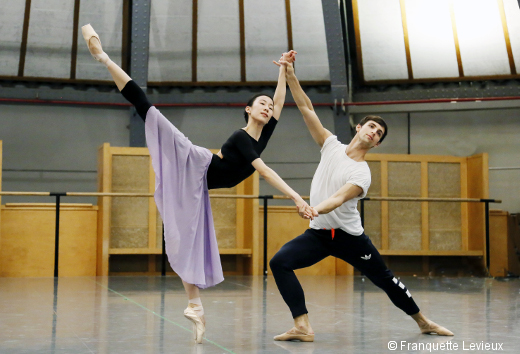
point(349, 315)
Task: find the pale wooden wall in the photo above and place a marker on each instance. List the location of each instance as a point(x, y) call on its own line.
point(28, 239)
point(408, 228)
point(130, 229)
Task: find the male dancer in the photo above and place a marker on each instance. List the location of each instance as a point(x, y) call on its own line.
point(342, 178)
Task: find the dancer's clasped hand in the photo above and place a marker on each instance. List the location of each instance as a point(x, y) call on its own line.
point(306, 211)
point(288, 57)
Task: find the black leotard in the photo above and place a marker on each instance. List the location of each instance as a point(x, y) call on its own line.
point(239, 151)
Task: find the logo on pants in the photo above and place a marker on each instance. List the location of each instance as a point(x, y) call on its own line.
point(366, 258)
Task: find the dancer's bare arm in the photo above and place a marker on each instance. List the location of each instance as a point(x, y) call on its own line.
point(281, 87)
point(279, 94)
point(277, 182)
point(318, 132)
point(344, 194)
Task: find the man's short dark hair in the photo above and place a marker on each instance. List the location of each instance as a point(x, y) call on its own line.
point(379, 121)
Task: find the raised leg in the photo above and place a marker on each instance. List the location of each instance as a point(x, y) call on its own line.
point(130, 90)
point(94, 46)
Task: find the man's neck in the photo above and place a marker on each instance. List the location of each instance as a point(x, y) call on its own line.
point(356, 150)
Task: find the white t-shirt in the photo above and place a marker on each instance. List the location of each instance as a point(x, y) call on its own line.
point(334, 171)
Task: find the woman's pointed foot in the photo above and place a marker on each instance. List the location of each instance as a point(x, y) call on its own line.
point(199, 327)
point(295, 334)
point(94, 43)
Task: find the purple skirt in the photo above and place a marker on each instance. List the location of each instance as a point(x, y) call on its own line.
point(181, 195)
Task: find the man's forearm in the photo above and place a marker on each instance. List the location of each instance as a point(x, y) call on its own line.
point(328, 205)
point(344, 194)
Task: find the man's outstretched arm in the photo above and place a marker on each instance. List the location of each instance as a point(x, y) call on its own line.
point(318, 132)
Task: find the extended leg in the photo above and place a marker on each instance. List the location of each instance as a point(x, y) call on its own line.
point(361, 253)
point(130, 90)
point(94, 46)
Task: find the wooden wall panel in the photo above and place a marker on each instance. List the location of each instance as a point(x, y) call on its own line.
point(24, 254)
point(478, 187)
point(375, 171)
point(27, 243)
point(77, 241)
point(129, 217)
point(445, 222)
point(373, 222)
point(373, 208)
point(159, 230)
point(445, 226)
point(132, 227)
point(225, 218)
point(1, 168)
point(129, 223)
point(513, 243)
point(498, 241)
point(104, 170)
point(405, 230)
point(404, 179)
point(444, 180)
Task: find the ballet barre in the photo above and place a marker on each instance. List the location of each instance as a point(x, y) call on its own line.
point(58, 196)
point(265, 199)
point(458, 200)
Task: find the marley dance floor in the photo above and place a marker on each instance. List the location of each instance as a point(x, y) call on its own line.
point(349, 315)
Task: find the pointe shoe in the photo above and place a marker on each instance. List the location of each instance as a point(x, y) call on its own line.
point(89, 33)
point(198, 326)
point(432, 327)
point(295, 335)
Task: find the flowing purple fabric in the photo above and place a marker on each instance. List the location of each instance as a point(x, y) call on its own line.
point(181, 195)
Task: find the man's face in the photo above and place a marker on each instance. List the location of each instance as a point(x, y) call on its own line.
point(370, 133)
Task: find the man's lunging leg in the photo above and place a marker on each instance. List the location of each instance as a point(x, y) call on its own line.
point(304, 251)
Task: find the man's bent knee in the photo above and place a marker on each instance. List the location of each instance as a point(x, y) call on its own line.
point(274, 263)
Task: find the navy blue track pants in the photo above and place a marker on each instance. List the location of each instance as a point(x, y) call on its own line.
point(314, 245)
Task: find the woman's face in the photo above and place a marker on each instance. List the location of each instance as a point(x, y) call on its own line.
point(261, 109)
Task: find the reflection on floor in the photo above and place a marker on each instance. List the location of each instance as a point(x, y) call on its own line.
point(348, 314)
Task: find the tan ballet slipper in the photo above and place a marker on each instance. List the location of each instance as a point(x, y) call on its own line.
point(295, 334)
point(433, 328)
point(198, 326)
point(89, 33)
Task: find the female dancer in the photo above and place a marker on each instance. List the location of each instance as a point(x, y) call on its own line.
point(184, 173)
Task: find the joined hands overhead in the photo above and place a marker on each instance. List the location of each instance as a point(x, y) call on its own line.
point(286, 58)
